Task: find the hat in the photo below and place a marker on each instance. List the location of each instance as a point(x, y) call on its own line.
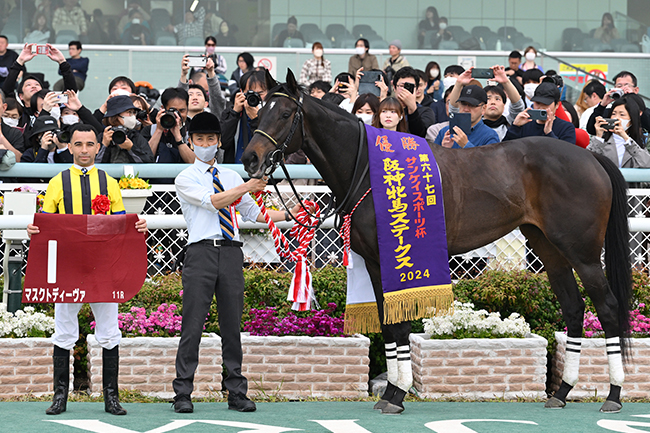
point(35, 76)
point(397, 43)
point(204, 123)
point(43, 124)
point(118, 104)
point(546, 93)
point(473, 94)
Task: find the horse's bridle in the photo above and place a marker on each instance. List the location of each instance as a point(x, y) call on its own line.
point(276, 158)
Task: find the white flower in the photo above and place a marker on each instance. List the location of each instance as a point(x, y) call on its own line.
point(23, 322)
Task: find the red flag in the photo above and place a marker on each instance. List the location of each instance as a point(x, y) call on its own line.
point(85, 258)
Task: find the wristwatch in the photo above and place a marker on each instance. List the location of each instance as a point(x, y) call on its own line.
point(287, 215)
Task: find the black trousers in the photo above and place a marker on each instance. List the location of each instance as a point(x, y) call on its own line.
point(211, 271)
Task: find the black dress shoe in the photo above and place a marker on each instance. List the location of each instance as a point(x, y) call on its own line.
point(240, 403)
point(183, 404)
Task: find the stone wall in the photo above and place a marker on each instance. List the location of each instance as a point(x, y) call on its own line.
point(479, 368)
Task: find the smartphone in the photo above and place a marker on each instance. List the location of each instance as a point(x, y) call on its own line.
point(537, 114)
point(39, 49)
point(410, 87)
point(610, 125)
point(462, 120)
point(61, 97)
point(482, 73)
point(367, 83)
point(197, 61)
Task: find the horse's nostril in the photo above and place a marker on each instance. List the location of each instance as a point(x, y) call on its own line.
point(251, 161)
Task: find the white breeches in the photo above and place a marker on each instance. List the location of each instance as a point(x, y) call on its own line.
point(66, 325)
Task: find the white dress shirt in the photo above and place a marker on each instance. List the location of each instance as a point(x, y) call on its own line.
point(194, 188)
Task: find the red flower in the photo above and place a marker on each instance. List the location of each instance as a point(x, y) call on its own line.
point(101, 204)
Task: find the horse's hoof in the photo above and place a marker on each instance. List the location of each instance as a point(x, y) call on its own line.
point(380, 405)
point(392, 409)
point(554, 403)
point(611, 407)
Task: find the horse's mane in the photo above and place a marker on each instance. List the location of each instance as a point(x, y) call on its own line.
point(283, 88)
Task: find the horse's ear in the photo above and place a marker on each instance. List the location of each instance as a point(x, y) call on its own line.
point(292, 84)
point(270, 81)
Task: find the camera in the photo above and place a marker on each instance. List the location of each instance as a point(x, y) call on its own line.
point(62, 136)
point(410, 87)
point(617, 93)
point(555, 79)
point(253, 98)
point(168, 120)
point(141, 115)
point(119, 134)
point(610, 125)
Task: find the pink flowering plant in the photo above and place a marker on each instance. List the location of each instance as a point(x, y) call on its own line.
point(162, 322)
point(319, 323)
point(639, 324)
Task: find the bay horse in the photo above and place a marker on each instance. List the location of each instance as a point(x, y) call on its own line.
point(567, 201)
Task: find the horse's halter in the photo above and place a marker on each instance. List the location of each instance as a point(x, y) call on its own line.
point(275, 157)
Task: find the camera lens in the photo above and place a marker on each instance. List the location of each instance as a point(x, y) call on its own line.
point(616, 95)
point(119, 134)
point(168, 120)
point(253, 98)
point(62, 136)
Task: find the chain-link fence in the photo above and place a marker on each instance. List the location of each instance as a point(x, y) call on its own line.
point(510, 252)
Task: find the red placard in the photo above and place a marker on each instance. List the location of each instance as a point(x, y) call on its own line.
point(85, 258)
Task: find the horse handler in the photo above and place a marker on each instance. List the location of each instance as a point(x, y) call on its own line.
point(209, 196)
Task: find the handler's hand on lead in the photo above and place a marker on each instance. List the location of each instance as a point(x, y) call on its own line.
point(255, 185)
point(32, 230)
point(140, 225)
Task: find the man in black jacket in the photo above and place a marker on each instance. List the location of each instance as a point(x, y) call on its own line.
point(419, 117)
point(10, 138)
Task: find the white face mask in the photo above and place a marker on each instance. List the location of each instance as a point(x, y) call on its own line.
point(529, 89)
point(56, 112)
point(360, 50)
point(530, 56)
point(318, 52)
point(210, 50)
point(366, 117)
point(129, 121)
point(69, 119)
point(442, 26)
point(447, 82)
point(625, 123)
point(135, 21)
point(10, 122)
point(206, 154)
point(434, 73)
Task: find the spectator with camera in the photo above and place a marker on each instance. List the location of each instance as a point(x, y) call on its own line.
point(396, 61)
point(220, 65)
point(545, 102)
point(618, 137)
point(121, 142)
point(208, 81)
point(10, 137)
point(168, 137)
point(434, 130)
point(240, 119)
point(47, 143)
point(362, 58)
point(418, 117)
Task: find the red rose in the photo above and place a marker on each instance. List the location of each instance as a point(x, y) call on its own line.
point(101, 204)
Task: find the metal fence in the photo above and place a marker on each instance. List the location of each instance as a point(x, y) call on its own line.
point(509, 252)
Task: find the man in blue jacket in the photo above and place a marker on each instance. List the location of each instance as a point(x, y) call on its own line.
point(547, 98)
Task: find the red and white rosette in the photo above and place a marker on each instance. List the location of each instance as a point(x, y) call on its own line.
point(301, 291)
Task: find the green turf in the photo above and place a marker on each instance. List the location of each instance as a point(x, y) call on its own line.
point(338, 417)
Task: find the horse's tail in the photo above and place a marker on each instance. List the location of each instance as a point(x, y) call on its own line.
point(617, 249)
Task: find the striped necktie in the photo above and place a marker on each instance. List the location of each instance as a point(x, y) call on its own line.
point(224, 214)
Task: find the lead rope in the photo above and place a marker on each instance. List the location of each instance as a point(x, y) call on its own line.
point(301, 291)
point(345, 232)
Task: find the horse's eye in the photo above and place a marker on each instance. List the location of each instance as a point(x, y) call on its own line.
point(286, 115)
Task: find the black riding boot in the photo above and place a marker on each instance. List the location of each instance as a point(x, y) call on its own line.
point(61, 381)
point(111, 361)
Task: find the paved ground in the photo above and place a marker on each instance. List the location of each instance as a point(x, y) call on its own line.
point(336, 417)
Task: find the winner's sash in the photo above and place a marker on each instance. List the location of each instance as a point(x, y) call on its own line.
point(407, 192)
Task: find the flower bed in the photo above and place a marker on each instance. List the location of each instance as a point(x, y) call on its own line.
point(147, 364)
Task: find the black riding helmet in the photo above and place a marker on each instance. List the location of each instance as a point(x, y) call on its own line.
point(204, 123)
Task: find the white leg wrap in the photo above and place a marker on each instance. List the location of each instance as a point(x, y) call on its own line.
point(572, 360)
point(391, 362)
point(405, 373)
point(616, 372)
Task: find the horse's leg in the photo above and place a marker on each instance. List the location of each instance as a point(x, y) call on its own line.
point(400, 333)
point(563, 284)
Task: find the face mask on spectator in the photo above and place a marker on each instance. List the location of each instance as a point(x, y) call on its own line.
point(318, 52)
point(69, 119)
point(530, 56)
point(206, 154)
point(366, 117)
point(448, 82)
point(360, 50)
point(10, 122)
point(442, 26)
point(56, 113)
point(434, 73)
point(210, 50)
point(129, 122)
point(119, 92)
point(135, 21)
point(625, 123)
point(529, 89)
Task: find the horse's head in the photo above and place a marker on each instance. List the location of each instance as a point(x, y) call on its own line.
point(280, 130)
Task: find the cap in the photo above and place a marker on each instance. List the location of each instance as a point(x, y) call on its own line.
point(473, 94)
point(43, 124)
point(118, 104)
point(546, 93)
point(204, 123)
point(397, 43)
